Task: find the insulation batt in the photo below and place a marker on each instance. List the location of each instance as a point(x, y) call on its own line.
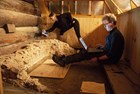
point(15, 65)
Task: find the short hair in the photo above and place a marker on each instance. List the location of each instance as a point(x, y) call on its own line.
point(110, 17)
point(51, 14)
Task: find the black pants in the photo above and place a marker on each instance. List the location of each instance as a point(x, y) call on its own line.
point(76, 28)
point(82, 55)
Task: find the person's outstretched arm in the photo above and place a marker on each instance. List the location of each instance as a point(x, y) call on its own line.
point(52, 28)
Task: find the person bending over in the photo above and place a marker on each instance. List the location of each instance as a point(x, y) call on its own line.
point(64, 22)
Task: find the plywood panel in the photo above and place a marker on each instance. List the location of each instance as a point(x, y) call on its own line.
point(92, 88)
point(128, 23)
point(50, 69)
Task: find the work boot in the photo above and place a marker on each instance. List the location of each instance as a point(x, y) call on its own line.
point(58, 60)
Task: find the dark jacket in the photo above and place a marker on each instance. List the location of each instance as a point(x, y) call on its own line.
point(114, 45)
point(65, 22)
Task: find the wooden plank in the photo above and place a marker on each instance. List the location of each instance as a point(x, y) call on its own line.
point(1, 84)
point(37, 64)
point(75, 6)
point(116, 6)
point(130, 29)
point(108, 6)
point(50, 69)
point(120, 84)
point(92, 88)
point(118, 81)
point(130, 74)
point(10, 28)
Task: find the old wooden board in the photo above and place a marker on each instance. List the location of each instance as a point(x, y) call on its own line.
point(1, 84)
point(50, 69)
point(119, 81)
point(92, 88)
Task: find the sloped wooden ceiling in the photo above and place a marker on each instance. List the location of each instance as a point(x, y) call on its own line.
point(89, 7)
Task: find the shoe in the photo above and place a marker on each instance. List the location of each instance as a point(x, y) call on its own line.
point(58, 60)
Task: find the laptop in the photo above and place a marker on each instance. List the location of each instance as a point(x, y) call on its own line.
point(90, 50)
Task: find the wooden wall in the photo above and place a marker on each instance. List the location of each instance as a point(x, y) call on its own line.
point(128, 23)
point(91, 30)
point(23, 16)
point(1, 84)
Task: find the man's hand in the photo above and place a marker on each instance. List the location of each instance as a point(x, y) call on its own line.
point(94, 60)
point(99, 46)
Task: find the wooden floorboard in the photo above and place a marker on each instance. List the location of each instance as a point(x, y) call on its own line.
point(1, 83)
point(122, 79)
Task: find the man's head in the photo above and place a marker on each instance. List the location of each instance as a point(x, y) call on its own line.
point(53, 16)
point(109, 20)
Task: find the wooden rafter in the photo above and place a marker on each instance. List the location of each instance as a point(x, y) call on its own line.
point(134, 3)
point(116, 6)
point(108, 6)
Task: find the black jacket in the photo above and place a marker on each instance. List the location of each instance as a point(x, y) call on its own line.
point(65, 22)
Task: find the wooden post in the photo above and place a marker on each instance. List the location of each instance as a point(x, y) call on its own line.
point(90, 8)
point(108, 6)
point(75, 7)
point(68, 6)
point(62, 6)
point(133, 5)
point(116, 6)
point(1, 84)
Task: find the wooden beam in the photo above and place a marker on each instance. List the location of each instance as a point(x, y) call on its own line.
point(62, 6)
point(17, 18)
point(42, 7)
point(75, 7)
point(104, 8)
point(116, 6)
point(108, 6)
point(90, 7)
point(77, 0)
point(1, 84)
point(68, 6)
point(133, 4)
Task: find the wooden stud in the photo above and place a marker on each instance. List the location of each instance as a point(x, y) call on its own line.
point(90, 7)
point(134, 3)
point(62, 6)
point(1, 84)
point(116, 6)
point(68, 6)
point(104, 8)
point(75, 7)
point(108, 6)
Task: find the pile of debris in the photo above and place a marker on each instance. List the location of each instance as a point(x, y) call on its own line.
point(15, 65)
